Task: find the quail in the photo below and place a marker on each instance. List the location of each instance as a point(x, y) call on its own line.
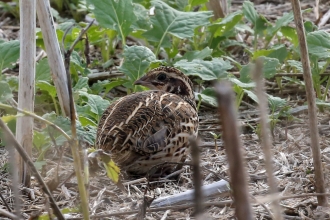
point(149, 130)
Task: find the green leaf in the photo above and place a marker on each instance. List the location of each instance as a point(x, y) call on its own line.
point(81, 84)
point(291, 34)
point(226, 24)
point(242, 84)
point(275, 102)
point(95, 102)
point(87, 133)
point(295, 64)
point(43, 71)
point(9, 53)
point(251, 95)
point(142, 19)
point(245, 72)
point(319, 44)
point(206, 70)
point(87, 121)
point(170, 21)
point(208, 95)
point(279, 52)
point(115, 14)
point(270, 65)
point(136, 61)
point(191, 55)
point(46, 86)
point(283, 21)
point(249, 12)
point(5, 91)
point(40, 140)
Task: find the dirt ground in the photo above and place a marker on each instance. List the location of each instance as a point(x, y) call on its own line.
point(291, 153)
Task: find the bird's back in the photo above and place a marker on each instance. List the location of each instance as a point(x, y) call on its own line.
point(148, 128)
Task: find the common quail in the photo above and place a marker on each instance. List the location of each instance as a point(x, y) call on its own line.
point(151, 128)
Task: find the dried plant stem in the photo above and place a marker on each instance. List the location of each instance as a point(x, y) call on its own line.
point(24, 125)
point(266, 135)
point(233, 146)
point(54, 54)
point(81, 174)
point(198, 194)
point(8, 214)
point(12, 142)
point(312, 111)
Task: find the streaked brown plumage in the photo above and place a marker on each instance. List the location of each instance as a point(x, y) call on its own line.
point(148, 128)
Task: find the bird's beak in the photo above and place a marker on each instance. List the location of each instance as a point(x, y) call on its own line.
point(141, 81)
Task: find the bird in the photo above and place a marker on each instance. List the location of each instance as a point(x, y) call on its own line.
point(147, 133)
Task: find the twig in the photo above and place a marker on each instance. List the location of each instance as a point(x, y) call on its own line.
point(75, 148)
point(177, 207)
point(197, 180)
point(8, 214)
point(186, 206)
point(266, 135)
point(312, 112)
point(12, 142)
point(5, 203)
point(4, 106)
point(232, 143)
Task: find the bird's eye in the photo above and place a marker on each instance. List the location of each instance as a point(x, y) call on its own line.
point(161, 77)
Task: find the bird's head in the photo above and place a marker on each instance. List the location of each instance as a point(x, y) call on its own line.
point(168, 79)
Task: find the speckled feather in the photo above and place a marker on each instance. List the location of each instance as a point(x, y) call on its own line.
point(148, 128)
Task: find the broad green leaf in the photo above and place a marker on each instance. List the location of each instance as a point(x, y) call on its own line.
point(194, 3)
point(5, 92)
point(46, 86)
point(9, 53)
point(226, 24)
point(291, 34)
point(136, 61)
point(87, 133)
point(275, 102)
point(87, 121)
point(245, 72)
point(206, 70)
point(283, 21)
point(279, 52)
point(97, 104)
point(242, 84)
point(40, 140)
point(250, 13)
point(270, 65)
point(295, 64)
point(208, 95)
point(81, 84)
point(259, 22)
point(261, 25)
point(113, 84)
point(170, 21)
point(310, 26)
point(191, 55)
point(142, 19)
point(251, 95)
point(319, 44)
point(43, 71)
point(115, 14)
